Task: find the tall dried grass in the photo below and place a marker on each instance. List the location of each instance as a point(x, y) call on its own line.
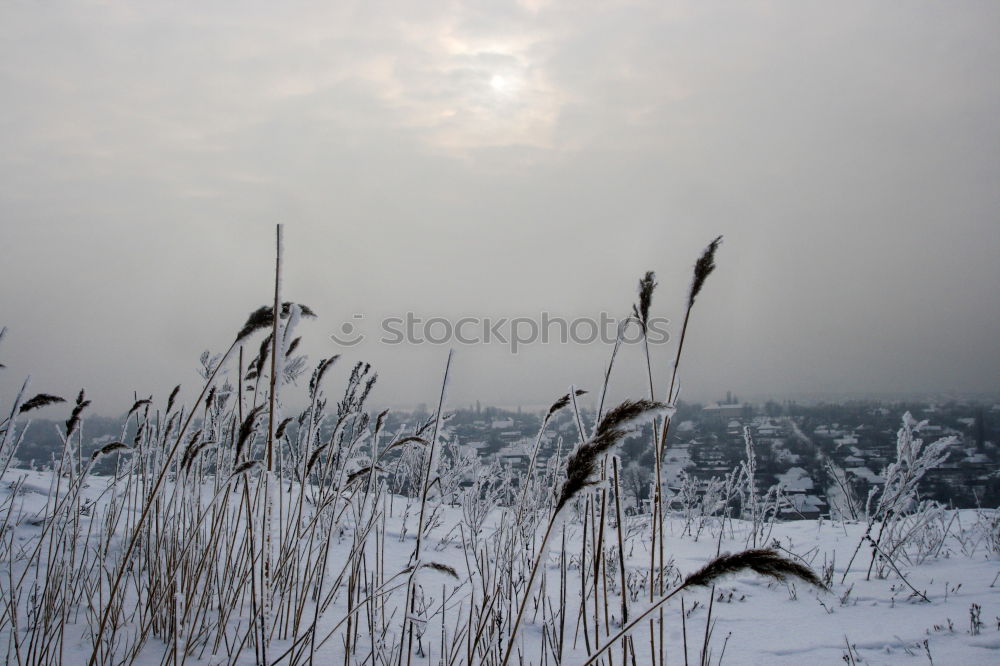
point(232, 531)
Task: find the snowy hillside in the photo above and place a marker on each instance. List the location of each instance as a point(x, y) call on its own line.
point(754, 620)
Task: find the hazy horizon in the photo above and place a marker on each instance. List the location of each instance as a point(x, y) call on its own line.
point(465, 159)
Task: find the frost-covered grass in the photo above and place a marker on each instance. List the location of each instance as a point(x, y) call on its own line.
point(236, 530)
point(754, 620)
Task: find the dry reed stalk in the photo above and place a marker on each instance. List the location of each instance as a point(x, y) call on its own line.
point(580, 469)
point(556, 407)
point(611, 364)
point(647, 284)
point(684, 630)
point(183, 585)
point(259, 319)
point(620, 518)
point(702, 269)
point(598, 555)
point(268, 514)
point(409, 606)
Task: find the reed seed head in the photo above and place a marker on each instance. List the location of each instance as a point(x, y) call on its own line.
point(561, 403)
point(703, 268)
point(173, 396)
point(443, 568)
point(620, 421)
point(244, 468)
point(763, 561)
point(646, 286)
point(263, 317)
point(74, 420)
point(315, 457)
point(109, 448)
point(194, 450)
point(39, 401)
point(246, 429)
point(317, 376)
point(361, 473)
point(137, 404)
point(280, 431)
point(380, 420)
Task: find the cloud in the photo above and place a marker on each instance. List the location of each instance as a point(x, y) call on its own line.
point(465, 156)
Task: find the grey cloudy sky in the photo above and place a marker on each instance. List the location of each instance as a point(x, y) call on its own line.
point(500, 159)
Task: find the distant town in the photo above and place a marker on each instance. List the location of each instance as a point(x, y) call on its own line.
point(816, 460)
point(823, 458)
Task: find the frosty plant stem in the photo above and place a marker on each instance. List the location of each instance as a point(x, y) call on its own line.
point(702, 269)
point(428, 470)
point(261, 318)
point(580, 471)
point(147, 505)
point(265, 615)
point(274, 352)
point(556, 407)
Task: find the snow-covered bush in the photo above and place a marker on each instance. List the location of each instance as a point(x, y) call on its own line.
point(897, 520)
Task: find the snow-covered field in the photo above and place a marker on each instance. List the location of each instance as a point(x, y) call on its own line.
point(236, 530)
point(754, 620)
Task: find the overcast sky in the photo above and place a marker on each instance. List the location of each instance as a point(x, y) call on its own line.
point(504, 159)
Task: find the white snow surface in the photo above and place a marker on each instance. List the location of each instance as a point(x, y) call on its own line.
point(756, 620)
